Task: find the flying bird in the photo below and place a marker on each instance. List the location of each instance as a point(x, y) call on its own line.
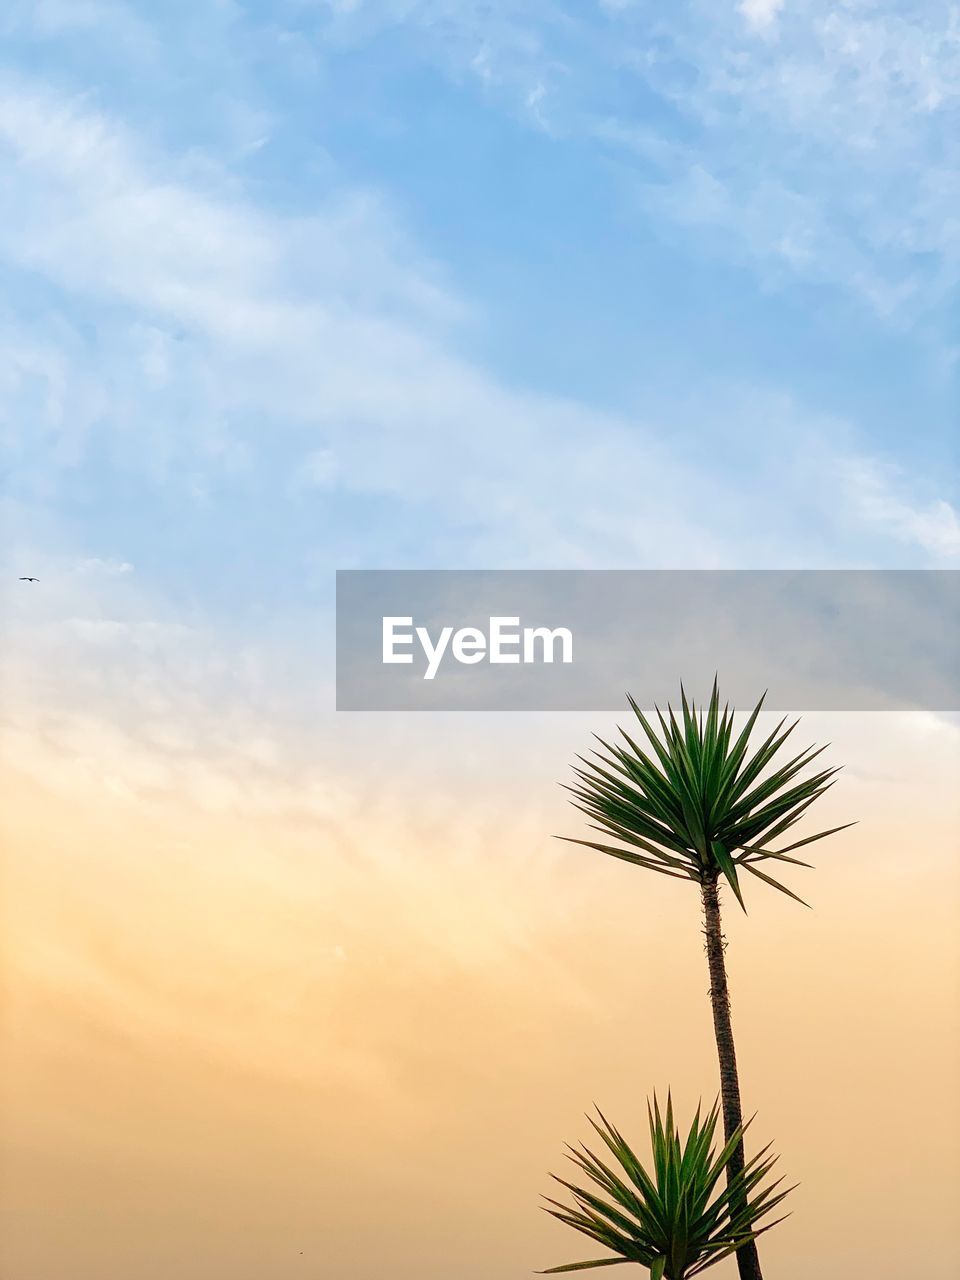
point(29, 579)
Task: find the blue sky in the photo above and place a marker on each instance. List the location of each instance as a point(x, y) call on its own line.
point(296, 286)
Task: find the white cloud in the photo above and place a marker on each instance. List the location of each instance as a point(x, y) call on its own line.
point(334, 324)
point(52, 18)
point(824, 147)
point(760, 14)
point(318, 470)
point(340, 336)
point(97, 214)
point(843, 116)
point(107, 568)
point(878, 499)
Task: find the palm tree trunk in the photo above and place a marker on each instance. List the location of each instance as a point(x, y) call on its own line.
point(748, 1262)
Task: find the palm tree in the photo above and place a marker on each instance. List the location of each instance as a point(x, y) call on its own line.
point(699, 805)
point(675, 1220)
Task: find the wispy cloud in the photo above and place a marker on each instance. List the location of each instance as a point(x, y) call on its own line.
point(96, 214)
point(333, 323)
point(829, 137)
point(880, 497)
point(760, 13)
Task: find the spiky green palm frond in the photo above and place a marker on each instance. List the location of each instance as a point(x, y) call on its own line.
point(678, 1219)
point(698, 801)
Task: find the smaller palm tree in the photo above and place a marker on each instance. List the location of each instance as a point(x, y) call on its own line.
point(679, 1220)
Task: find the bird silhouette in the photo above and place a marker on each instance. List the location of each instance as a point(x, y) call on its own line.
point(29, 579)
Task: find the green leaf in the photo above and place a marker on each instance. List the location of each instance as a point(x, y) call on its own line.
point(755, 871)
point(726, 865)
point(798, 844)
point(584, 1266)
point(626, 856)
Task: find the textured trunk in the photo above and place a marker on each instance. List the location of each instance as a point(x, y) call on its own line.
point(748, 1263)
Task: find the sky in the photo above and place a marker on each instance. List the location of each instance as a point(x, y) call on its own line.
point(293, 286)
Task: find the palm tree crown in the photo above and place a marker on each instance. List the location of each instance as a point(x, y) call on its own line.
point(676, 1219)
point(696, 804)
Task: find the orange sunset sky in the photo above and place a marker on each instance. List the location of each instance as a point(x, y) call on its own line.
point(341, 1025)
